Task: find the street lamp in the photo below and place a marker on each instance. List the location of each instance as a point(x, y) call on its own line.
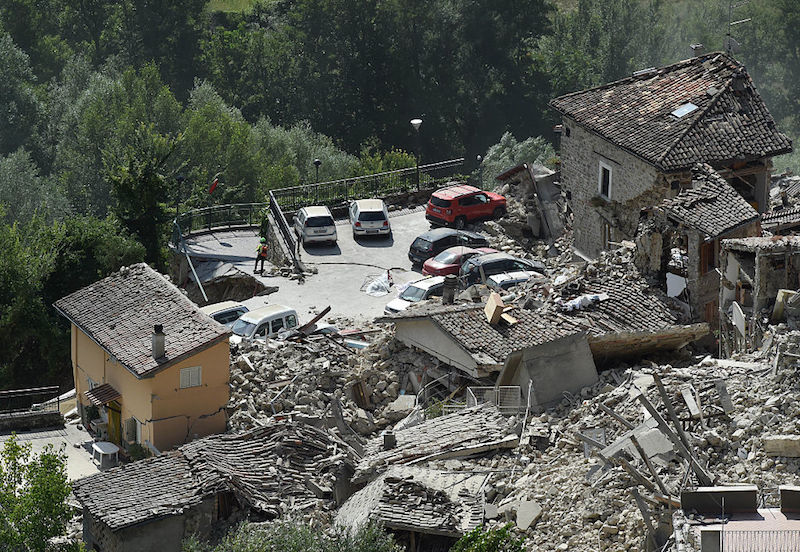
point(480, 170)
point(415, 124)
point(317, 163)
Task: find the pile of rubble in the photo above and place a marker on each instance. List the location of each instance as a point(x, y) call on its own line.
point(307, 377)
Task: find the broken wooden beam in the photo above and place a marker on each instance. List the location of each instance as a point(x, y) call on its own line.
point(616, 416)
point(649, 465)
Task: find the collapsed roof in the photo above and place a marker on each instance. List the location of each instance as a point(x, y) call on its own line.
point(703, 109)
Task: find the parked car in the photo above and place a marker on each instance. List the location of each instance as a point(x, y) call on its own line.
point(433, 242)
point(415, 292)
point(315, 225)
point(460, 204)
point(494, 263)
point(450, 260)
point(226, 313)
point(263, 323)
point(368, 217)
point(507, 280)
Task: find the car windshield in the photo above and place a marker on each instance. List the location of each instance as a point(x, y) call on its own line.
point(447, 257)
point(439, 202)
point(413, 294)
point(316, 222)
point(371, 215)
point(422, 245)
point(242, 328)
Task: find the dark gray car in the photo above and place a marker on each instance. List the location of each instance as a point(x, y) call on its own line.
point(495, 263)
point(433, 242)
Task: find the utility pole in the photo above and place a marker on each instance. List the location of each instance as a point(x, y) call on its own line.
point(730, 43)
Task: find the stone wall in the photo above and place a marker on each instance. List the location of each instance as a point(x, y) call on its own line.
point(24, 421)
point(635, 185)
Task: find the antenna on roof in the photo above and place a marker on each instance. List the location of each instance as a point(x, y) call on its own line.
point(731, 46)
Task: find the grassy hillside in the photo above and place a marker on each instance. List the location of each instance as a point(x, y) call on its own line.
point(230, 5)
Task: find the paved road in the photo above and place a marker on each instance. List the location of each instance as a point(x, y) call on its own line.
point(79, 458)
point(342, 268)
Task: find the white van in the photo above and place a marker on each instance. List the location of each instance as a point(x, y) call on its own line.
point(315, 225)
point(226, 313)
point(265, 322)
point(369, 217)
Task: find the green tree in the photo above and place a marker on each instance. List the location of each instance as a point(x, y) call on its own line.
point(508, 152)
point(33, 496)
point(19, 106)
point(481, 539)
point(24, 193)
point(140, 185)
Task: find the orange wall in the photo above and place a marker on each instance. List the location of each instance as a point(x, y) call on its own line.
point(169, 415)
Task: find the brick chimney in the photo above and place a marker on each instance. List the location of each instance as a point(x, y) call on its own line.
point(158, 341)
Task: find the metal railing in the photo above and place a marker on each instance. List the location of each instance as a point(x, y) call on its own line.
point(206, 219)
point(35, 399)
point(285, 232)
point(760, 541)
point(507, 398)
point(372, 185)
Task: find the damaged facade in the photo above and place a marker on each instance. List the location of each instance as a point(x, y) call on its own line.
point(629, 145)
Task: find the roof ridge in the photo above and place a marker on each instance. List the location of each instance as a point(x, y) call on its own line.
point(700, 115)
point(660, 71)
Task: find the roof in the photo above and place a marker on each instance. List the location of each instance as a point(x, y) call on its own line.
point(450, 436)
point(260, 467)
point(731, 121)
point(119, 312)
point(487, 343)
point(777, 220)
point(102, 394)
point(710, 206)
point(370, 204)
point(505, 175)
point(423, 500)
point(452, 192)
point(317, 211)
point(256, 315)
point(219, 307)
point(769, 244)
point(427, 281)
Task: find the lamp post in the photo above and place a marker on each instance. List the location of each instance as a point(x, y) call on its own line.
point(317, 163)
point(415, 124)
point(479, 159)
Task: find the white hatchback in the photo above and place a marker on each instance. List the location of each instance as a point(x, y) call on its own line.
point(430, 286)
point(315, 225)
point(369, 217)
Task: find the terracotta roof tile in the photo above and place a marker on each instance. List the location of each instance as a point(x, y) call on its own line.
point(731, 120)
point(119, 312)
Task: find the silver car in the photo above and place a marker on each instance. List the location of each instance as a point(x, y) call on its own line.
point(369, 217)
point(315, 225)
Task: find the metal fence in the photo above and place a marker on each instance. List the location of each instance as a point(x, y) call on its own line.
point(285, 232)
point(759, 541)
point(507, 398)
point(372, 185)
point(206, 219)
point(36, 399)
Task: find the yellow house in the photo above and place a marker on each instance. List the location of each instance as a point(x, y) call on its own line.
point(153, 366)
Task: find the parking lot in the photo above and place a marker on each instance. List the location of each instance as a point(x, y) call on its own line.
point(342, 268)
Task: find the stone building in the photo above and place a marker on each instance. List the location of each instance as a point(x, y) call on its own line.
point(681, 237)
point(627, 145)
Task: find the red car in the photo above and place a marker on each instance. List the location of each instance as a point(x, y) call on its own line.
point(450, 260)
point(460, 204)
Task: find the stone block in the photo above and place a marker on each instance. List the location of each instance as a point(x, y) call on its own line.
point(528, 511)
point(400, 407)
point(782, 445)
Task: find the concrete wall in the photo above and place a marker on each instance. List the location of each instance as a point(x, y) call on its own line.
point(581, 154)
point(23, 421)
point(169, 415)
point(562, 365)
point(425, 335)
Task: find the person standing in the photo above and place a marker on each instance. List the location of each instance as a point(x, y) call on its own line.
point(261, 255)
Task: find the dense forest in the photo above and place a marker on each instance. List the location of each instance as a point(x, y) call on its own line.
point(105, 103)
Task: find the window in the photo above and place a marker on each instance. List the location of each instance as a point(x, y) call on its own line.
point(291, 321)
point(604, 181)
point(277, 325)
point(707, 263)
point(190, 377)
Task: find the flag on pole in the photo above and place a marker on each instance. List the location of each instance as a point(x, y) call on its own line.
point(213, 185)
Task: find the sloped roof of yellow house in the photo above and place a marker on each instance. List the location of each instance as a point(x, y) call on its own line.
point(119, 313)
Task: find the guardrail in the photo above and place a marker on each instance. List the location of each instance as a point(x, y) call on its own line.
point(16, 401)
point(372, 185)
point(206, 219)
point(283, 228)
